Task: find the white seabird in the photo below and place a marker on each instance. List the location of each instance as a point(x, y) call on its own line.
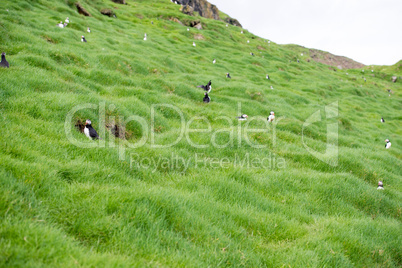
point(271, 116)
point(89, 131)
point(242, 117)
point(388, 144)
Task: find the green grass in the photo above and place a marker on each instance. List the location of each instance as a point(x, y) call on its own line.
point(66, 205)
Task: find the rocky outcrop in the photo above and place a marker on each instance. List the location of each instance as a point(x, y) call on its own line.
point(203, 7)
point(233, 22)
point(82, 10)
point(188, 10)
point(337, 61)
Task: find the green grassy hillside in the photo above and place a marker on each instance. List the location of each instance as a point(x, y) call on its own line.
point(165, 195)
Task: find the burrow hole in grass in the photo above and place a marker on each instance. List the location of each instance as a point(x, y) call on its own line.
point(115, 129)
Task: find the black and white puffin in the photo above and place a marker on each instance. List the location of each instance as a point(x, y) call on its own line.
point(388, 144)
point(207, 87)
point(251, 53)
point(242, 117)
point(382, 120)
point(88, 30)
point(67, 20)
point(228, 75)
point(4, 63)
point(89, 131)
point(206, 98)
point(271, 116)
point(83, 39)
point(214, 61)
point(194, 44)
point(267, 77)
point(380, 186)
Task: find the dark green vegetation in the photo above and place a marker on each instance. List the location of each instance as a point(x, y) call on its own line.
point(64, 205)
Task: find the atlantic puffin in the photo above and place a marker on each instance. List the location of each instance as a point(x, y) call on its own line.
point(382, 120)
point(214, 61)
point(251, 53)
point(380, 186)
point(207, 87)
point(272, 87)
point(67, 20)
point(228, 75)
point(83, 39)
point(145, 37)
point(4, 63)
point(267, 77)
point(193, 44)
point(88, 30)
point(271, 116)
point(242, 117)
point(61, 24)
point(89, 131)
point(388, 144)
point(206, 98)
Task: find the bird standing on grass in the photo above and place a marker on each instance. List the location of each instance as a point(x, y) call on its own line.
point(145, 37)
point(271, 116)
point(193, 44)
point(88, 30)
point(382, 120)
point(67, 20)
point(380, 186)
point(228, 75)
point(388, 144)
point(214, 61)
point(83, 39)
point(62, 25)
point(89, 131)
point(206, 98)
point(207, 87)
point(267, 77)
point(4, 63)
point(242, 117)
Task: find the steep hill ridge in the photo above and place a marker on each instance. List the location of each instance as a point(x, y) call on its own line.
point(154, 191)
point(340, 62)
